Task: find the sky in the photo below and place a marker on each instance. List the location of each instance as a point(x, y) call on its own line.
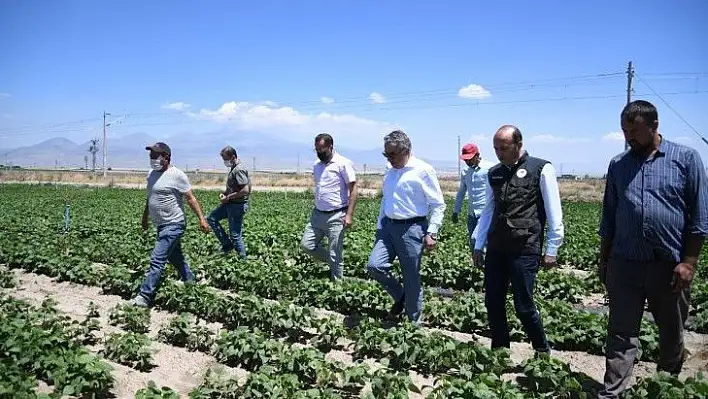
point(290, 70)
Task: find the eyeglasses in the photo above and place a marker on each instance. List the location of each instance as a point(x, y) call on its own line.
point(389, 155)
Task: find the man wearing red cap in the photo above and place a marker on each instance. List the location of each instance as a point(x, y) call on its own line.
point(473, 183)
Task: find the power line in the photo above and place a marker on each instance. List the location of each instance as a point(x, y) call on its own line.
point(672, 109)
point(375, 109)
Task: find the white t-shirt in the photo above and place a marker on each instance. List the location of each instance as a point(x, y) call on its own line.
point(165, 192)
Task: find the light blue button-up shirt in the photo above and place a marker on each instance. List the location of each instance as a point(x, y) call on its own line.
point(474, 183)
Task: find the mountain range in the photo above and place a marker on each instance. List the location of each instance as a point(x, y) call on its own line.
point(192, 152)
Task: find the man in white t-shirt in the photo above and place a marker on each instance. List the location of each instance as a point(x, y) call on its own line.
point(335, 198)
point(166, 187)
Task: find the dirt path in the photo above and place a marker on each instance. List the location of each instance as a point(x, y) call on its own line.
point(183, 370)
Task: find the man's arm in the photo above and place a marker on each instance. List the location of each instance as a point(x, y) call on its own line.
point(144, 220)
point(554, 211)
point(607, 222)
point(697, 207)
point(485, 220)
point(435, 198)
point(350, 177)
point(461, 191)
point(194, 204)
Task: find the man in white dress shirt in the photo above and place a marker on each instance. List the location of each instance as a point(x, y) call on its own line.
point(335, 198)
point(522, 198)
point(411, 192)
point(474, 184)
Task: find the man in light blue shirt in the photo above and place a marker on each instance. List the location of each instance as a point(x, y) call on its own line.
point(474, 184)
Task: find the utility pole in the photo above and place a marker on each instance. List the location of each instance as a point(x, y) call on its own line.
point(105, 147)
point(630, 75)
point(254, 166)
point(298, 163)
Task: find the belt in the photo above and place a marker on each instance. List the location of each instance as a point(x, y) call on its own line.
point(416, 219)
point(333, 210)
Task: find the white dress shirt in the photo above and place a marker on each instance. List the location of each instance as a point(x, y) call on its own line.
point(412, 191)
point(551, 203)
point(332, 182)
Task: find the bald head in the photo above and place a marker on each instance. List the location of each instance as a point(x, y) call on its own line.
point(509, 133)
point(507, 144)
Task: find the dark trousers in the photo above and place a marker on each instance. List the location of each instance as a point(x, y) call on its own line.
point(629, 284)
point(500, 269)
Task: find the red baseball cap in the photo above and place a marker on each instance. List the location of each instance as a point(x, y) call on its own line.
point(469, 151)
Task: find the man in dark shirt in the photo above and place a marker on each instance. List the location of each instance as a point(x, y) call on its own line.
point(234, 204)
point(654, 220)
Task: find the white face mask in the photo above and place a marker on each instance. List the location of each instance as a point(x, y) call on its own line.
point(228, 164)
point(156, 164)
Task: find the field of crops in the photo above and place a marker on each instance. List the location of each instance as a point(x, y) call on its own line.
point(275, 326)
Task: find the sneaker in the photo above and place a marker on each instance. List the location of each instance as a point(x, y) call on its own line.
point(140, 302)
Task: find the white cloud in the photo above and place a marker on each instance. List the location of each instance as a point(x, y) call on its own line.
point(549, 138)
point(614, 136)
point(473, 91)
point(377, 98)
point(178, 106)
point(290, 123)
point(327, 100)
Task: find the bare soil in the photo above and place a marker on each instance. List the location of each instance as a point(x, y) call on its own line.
point(183, 370)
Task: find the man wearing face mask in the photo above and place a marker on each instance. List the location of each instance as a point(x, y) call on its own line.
point(411, 192)
point(166, 187)
point(522, 199)
point(654, 222)
point(335, 198)
point(234, 204)
point(474, 184)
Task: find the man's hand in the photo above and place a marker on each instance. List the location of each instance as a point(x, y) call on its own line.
point(347, 221)
point(683, 275)
point(224, 199)
point(455, 218)
point(478, 258)
point(204, 225)
point(549, 262)
point(429, 242)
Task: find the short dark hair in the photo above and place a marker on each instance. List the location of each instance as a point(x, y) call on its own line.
point(229, 151)
point(640, 109)
point(326, 137)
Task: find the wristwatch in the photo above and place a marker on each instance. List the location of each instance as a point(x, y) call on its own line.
point(434, 236)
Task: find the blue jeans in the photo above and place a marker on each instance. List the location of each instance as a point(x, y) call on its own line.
point(168, 247)
point(471, 224)
point(234, 212)
point(405, 240)
point(500, 269)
